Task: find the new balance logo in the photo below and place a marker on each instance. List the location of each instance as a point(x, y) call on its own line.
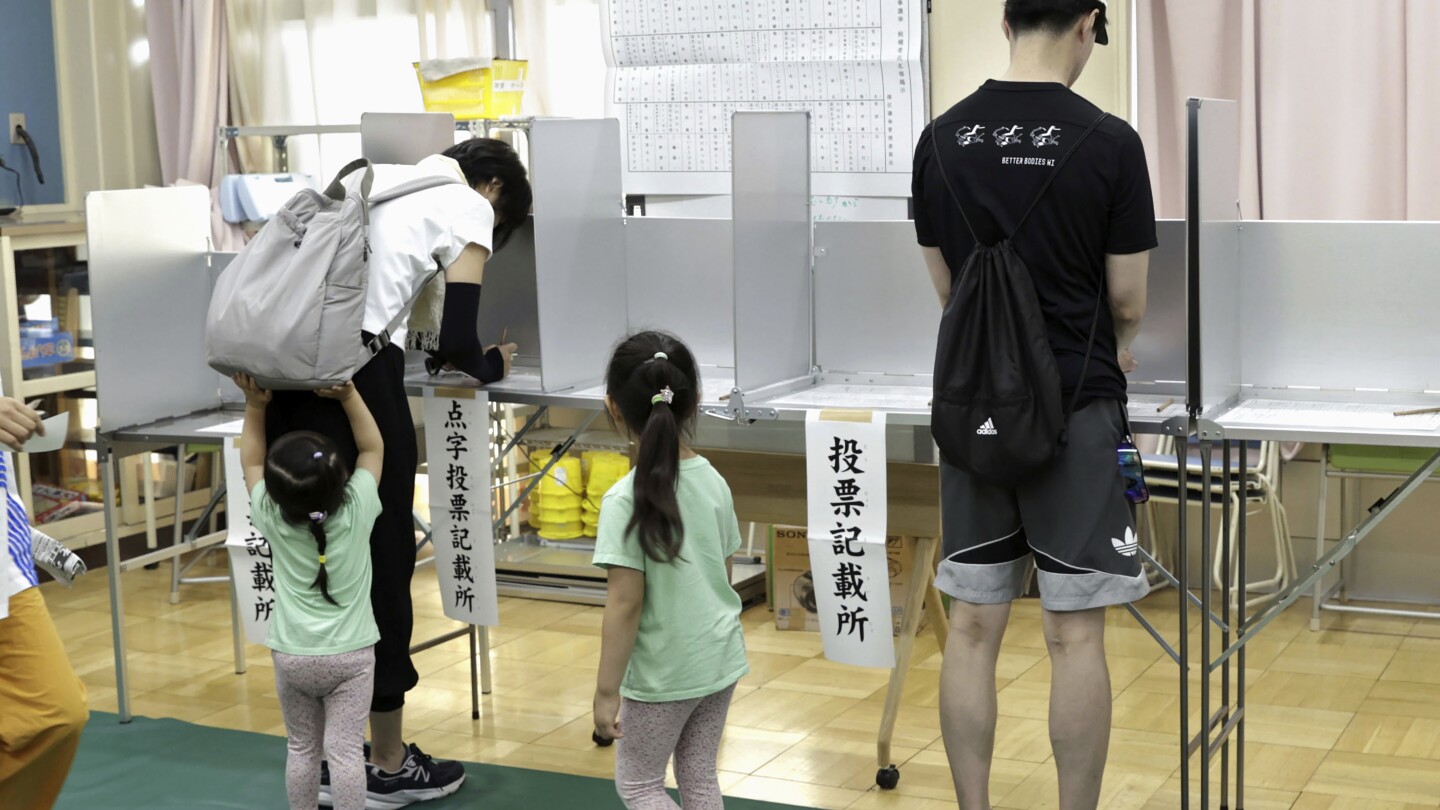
point(1129, 546)
point(987, 429)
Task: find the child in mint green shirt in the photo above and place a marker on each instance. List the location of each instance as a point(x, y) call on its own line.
point(672, 648)
point(317, 516)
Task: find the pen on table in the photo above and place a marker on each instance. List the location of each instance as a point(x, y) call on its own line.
point(1418, 411)
point(1167, 403)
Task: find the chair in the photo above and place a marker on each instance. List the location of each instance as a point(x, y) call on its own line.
point(1256, 464)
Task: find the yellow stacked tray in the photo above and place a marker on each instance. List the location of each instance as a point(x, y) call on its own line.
point(606, 469)
point(560, 501)
point(538, 460)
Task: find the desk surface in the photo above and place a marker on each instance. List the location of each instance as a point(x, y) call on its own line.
point(195, 428)
point(1330, 423)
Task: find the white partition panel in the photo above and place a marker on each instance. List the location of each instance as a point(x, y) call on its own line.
point(579, 248)
point(875, 307)
point(771, 177)
point(681, 279)
point(150, 289)
point(1341, 306)
point(1214, 241)
point(1160, 346)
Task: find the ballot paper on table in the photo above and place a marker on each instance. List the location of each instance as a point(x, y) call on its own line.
point(226, 429)
point(846, 493)
point(57, 428)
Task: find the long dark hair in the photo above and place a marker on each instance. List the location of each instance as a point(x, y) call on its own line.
point(643, 369)
point(306, 478)
point(486, 159)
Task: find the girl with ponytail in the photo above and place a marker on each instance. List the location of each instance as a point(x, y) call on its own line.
point(672, 648)
point(317, 517)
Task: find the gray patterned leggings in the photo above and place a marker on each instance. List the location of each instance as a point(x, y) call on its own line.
point(691, 730)
point(326, 700)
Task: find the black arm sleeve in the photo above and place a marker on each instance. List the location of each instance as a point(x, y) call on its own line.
point(459, 338)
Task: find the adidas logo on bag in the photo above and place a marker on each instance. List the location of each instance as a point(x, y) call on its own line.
point(1129, 546)
point(987, 429)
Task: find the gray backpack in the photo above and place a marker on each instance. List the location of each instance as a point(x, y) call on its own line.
point(288, 309)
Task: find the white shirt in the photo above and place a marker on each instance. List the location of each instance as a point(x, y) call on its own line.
point(412, 236)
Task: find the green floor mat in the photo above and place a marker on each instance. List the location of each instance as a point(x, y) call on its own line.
point(170, 765)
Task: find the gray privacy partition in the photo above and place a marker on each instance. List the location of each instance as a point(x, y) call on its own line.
point(1160, 346)
point(509, 307)
point(875, 308)
point(579, 248)
point(1340, 307)
point(150, 283)
point(681, 278)
point(1213, 247)
point(771, 179)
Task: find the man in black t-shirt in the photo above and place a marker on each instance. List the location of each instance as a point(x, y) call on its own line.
point(1086, 245)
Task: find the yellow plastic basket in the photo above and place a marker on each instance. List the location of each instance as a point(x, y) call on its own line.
point(492, 92)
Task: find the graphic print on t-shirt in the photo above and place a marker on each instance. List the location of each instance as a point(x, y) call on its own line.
point(1045, 136)
point(1008, 137)
point(969, 136)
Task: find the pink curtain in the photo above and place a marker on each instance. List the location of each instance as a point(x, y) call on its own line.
point(1339, 103)
point(189, 75)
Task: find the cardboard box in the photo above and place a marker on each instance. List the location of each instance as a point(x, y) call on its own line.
point(791, 592)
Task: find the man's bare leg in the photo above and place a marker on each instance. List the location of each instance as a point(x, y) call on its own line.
point(967, 697)
point(1079, 703)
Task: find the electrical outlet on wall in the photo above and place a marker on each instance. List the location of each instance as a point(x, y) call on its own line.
point(16, 119)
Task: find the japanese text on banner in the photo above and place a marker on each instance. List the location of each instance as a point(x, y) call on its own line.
point(251, 567)
point(457, 450)
point(846, 494)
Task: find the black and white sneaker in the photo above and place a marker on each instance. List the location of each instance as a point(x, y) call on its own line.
point(420, 779)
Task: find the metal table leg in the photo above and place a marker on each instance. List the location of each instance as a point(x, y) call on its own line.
point(1206, 560)
point(485, 677)
point(107, 464)
point(1320, 536)
point(1182, 546)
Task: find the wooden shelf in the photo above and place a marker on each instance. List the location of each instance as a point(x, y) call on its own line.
point(58, 384)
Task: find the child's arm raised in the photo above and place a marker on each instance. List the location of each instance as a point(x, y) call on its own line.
point(624, 598)
point(252, 436)
point(362, 423)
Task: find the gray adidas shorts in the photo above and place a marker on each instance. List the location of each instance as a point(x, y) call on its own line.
point(1072, 518)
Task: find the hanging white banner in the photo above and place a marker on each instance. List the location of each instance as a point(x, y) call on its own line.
point(846, 493)
point(252, 571)
point(457, 451)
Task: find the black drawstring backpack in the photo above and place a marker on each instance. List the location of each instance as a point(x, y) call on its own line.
point(997, 412)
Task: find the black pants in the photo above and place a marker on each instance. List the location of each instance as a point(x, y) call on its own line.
point(392, 543)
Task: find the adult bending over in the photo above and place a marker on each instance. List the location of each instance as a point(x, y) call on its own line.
point(455, 227)
point(1086, 240)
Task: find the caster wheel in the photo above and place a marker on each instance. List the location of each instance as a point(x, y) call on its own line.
point(601, 741)
point(887, 778)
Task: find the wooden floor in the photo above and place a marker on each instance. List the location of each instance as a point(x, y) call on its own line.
point(1345, 719)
